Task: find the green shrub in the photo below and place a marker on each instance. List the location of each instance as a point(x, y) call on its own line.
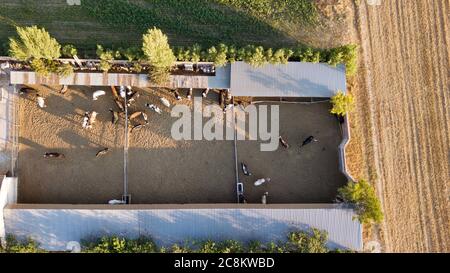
point(342, 103)
point(304, 242)
point(69, 51)
point(227, 246)
point(159, 76)
point(116, 244)
point(15, 246)
point(131, 53)
point(137, 67)
point(195, 53)
point(106, 56)
point(220, 59)
point(362, 195)
point(255, 56)
point(64, 70)
point(40, 67)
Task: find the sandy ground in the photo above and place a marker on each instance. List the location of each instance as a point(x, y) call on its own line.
point(162, 170)
point(401, 127)
point(309, 175)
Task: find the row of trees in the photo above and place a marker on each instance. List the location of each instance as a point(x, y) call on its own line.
point(258, 56)
point(311, 241)
point(36, 46)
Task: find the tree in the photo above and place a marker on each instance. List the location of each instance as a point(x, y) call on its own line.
point(64, 70)
point(342, 103)
point(363, 196)
point(220, 58)
point(34, 43)
point(69, 51)
point(232, 54)
point(255, 56)
point(196, 51)
point(350, 58)
point(157, 50)
point(106, 56)
point(159, 54)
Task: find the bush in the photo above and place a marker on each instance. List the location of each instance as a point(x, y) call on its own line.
point(304, 242)
point(342, 103)
point(106, 56)
point(69, 51)
point(228, 246)
point(131, 54)
point(15, 246)
point(159, 76)
point(120, 245)
point(221, 58)
point(367, 205)
point(254, 56)
point(64, 70)
point(40, 67)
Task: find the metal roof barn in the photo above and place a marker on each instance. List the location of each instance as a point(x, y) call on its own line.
point(294, 79)
point(53, 226)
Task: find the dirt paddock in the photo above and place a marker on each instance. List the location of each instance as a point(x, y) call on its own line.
point(162, 170)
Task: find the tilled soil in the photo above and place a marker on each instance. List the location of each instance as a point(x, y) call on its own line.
point(402, 120)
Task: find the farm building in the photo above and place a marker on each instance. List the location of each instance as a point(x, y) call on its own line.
point(302, 198)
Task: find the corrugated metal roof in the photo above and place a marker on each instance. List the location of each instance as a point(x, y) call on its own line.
point(222, 78)
point(106, 79)
point(294, 79)
point(53, 228)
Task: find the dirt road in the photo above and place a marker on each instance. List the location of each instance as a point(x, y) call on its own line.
point(401, 126)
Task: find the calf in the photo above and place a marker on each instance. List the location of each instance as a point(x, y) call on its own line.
point(177, 95)
point(153, 108)
point(97, 94)
point(102, 152)
point(85, 120)
point(245, 169)
point(53, 155)
point(284, 143)
point(41, 101)
point(261, 181)
point(308, 140)
point(115, 116)
point(165, 102)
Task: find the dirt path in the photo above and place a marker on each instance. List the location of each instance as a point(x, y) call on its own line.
point(403, 119)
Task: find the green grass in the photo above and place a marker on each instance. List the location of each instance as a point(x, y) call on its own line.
point(121, 23)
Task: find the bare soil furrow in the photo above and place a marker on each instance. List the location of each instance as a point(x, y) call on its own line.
point(405, 87)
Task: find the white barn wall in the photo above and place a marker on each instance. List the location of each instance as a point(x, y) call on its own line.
point(53, 228)
point(8, 195)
